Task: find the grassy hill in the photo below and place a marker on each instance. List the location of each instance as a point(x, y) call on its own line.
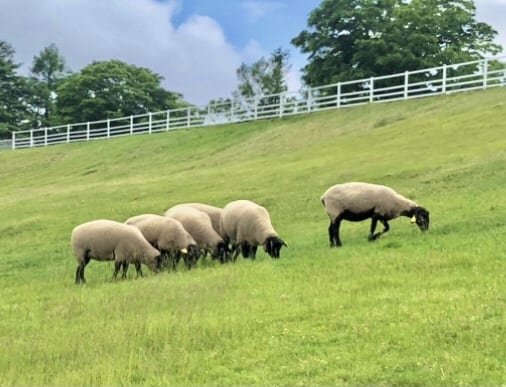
point(409, 309)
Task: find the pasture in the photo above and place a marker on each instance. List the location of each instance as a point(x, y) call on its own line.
point(408, 309)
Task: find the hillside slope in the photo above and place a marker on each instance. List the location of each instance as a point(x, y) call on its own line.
point(411, 308)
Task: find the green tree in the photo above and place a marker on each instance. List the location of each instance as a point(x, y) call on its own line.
point(13, 92)
point(264, 77)
point(48, 70)
point(111, 89)
point(351, 39)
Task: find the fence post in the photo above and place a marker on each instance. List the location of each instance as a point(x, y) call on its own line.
point(13, 140)
point(232, 111)
point(188, 117)
point(31, 138)
point(280, 105)
point(485, 73)
point(45, 136)
point(338, 95)
point(131, 125)
point(167, 127)
point(255, 101)
point(108, 128)
point(150, 122)
point(68, 133)
point(371, 89)
point(88, 131)
point(309, 99)
point(406, 83)
point(443, 88)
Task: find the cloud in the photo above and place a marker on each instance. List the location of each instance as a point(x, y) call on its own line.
point(194, 58)
point(258, 9)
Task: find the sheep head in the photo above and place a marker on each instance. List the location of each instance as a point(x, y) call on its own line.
point(272, 246)
point(421, 218)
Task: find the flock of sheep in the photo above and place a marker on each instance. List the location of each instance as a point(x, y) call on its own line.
point(191, 231)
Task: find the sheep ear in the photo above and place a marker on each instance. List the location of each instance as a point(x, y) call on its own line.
point(413, 219)
point(284, 244)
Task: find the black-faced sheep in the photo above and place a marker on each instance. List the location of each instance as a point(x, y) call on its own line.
point(199, 225)
point(358, 201)
point(167, 235)
point(248, 225)
point(108, 240)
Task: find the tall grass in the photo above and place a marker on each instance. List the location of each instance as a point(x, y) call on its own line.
point(409, 309)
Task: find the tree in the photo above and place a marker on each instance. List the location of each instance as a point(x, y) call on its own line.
point(13, 90)
point(111, 89)
point(264, 77)
point(351, 39)
point(48, 70)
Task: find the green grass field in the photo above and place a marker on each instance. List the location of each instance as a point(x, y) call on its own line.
point(425, 309)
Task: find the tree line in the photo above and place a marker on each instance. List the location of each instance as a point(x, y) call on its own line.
point(344, 40)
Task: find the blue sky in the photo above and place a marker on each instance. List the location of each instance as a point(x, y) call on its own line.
point(270, 23)
point(196, 45)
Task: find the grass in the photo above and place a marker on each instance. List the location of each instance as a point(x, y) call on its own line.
point(409, 309)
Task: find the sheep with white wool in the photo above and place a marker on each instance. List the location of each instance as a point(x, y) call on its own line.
point(108, 240)
point(213, 212)
point(199, 225)
point(247, 225)
point(167, 235)
point(357, 201)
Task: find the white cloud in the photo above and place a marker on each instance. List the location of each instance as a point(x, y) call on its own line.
point(258, 9)
point(253, 51)
point(194, 58)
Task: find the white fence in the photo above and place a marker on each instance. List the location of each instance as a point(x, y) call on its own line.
point(480, 74)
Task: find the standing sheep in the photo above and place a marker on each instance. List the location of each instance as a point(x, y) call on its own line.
point(199, 225)
point(213, 212)
point(167, 235)
point(107, 240)
point(359, 201)
point(247, 225)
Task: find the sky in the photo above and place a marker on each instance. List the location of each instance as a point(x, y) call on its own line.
point(195, 45)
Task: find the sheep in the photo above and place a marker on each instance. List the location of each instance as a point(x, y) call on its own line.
point(167, 235)
point(199, 225)
point(247, 225)
point(213, 212)
point(108, 240)
point(357, 201)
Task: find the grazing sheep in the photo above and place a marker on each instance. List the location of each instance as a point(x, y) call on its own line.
point(107, 240)
point(247, 225)
point(199, 225)
point(167, 235)
point(359, 201)
point(213, 212)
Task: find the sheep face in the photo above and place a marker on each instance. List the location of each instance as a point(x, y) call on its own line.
point(222, 252)
point(193, 253)
point(155, 264)
point(421, 218)
point(273, 246)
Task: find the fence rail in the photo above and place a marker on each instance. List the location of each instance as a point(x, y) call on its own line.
point(473, 75)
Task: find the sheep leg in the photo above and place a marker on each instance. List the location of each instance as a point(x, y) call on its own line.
point(386, 227)
point(80, 273)
point(80, 269)
point(137, 268)
point(253, 252)
point(235, 251)
point(117, 266)
point(372, 235)
point(334, 239)
point(125, 270)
